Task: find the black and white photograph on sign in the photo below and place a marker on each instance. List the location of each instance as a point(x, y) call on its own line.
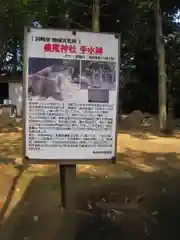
point(98, 96)
point(98, 75)
point(53, 78)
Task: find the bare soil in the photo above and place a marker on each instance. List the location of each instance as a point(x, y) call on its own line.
point(138, 198)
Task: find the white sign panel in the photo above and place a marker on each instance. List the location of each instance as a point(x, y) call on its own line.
point(71, 88)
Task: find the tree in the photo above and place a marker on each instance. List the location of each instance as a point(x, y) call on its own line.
point(96, 16)
point(161, 69)
point(134, 19)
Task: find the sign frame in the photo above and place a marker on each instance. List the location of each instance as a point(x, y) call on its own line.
point(65, 162)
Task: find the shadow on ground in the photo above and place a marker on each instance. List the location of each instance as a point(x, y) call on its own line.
point(127, 201)
point(148, 133)
point(14, 182)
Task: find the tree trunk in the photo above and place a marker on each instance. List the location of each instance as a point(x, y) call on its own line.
point(96, 16)
point(162, 77)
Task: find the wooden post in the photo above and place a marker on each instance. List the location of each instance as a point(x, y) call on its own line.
point(68, 173)
point(68, 186)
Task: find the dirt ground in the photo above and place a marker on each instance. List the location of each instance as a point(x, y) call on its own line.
point(138, 198)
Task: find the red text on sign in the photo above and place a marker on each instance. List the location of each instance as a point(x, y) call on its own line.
point(91, 50)
point(62, 48)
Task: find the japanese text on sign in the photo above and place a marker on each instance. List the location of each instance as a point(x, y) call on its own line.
point(64, 48)
point(71, 92)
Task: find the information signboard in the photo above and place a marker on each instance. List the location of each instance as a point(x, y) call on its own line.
point(70, 95)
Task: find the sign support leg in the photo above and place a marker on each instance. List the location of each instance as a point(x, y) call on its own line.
point(68, 186)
